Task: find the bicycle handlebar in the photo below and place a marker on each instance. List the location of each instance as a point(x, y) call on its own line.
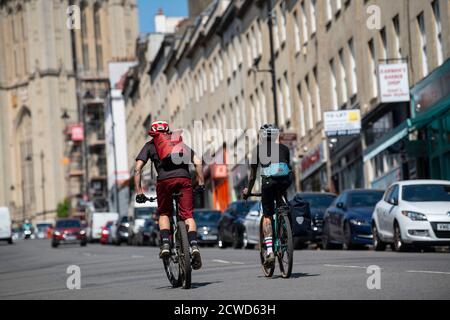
point(255, 195)
point(151, 199)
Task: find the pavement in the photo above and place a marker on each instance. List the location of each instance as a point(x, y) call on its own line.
point(31, 269)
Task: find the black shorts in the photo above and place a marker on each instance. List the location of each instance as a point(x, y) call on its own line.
point(272, 189)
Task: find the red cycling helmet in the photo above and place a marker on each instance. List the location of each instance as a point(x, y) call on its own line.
point(159, 126)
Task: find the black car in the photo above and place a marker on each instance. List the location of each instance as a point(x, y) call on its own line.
point(148, 235)
point(231, 224)
point(207, 221)
point(347, 222)
point(318, 204)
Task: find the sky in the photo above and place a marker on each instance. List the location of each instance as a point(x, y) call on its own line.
point(148, 9)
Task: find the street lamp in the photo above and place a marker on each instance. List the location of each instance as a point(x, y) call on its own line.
point(271, 70)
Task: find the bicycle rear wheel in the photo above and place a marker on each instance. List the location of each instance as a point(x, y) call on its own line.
point(184, 255)
point(285, 253)
point(268, 272)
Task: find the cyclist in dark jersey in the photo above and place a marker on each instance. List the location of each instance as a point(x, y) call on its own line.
point(276, 173)
point(172, 178)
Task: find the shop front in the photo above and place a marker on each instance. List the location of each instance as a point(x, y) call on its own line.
point(423, 141)
point(313, 170)
point(346, 163)
point(216, 182)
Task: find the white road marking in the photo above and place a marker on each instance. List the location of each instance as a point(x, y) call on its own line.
point(221, 261)
point(228, 262)
point(423, 271)
point(342, 266)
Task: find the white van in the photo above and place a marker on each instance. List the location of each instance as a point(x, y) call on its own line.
point(95, 222)
point(5, 225)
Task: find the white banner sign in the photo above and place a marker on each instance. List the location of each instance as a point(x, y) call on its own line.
point(342, 123)
point(394, 82)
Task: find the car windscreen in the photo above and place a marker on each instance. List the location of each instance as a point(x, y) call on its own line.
point(143, 213)
point(426, 192)
point(318, 201)
point(364, 199)
point(208, 217)
point(68, 224)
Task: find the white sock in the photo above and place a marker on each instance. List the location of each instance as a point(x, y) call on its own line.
point(268, 243)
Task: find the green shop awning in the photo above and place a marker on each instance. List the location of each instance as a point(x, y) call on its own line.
point(388, 140)
point(409, 125)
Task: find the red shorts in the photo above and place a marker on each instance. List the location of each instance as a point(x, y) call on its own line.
point(164, 191)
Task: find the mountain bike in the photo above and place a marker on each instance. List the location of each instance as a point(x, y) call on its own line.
point(283, 245)
point(178, 265)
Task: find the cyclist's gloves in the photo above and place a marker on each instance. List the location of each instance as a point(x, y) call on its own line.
point(141, 198)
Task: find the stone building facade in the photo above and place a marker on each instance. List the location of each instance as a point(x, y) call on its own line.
point(49, 73)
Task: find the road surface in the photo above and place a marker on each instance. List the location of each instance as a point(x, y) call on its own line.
point(33, 270)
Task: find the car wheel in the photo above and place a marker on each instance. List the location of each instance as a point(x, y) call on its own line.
point(399, 245)
point(378, 245)
point(54, 245)
point(83, 244)
point(326, 244)
point(238, 240)
point(10, 241)
point(348, 244)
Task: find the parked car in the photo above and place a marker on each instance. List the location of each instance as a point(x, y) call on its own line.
point(415, 212)
point(347, 222)
point(120, 230)
point(68, 231)
point(207, 221)
point(231, 224)
point(148, 235)
point(106, 229)
point(318, 204)
point(252, 222)
point(5, 225)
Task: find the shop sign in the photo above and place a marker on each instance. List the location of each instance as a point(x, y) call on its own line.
point(313, 160)
point(342, 123)
point(289, 139)
point(77, 132)
point(394, 82)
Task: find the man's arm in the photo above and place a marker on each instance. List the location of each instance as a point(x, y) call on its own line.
point(199, 170)
point(137, 176)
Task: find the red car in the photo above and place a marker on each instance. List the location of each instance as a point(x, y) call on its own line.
point(106, 230)
point(68, 231)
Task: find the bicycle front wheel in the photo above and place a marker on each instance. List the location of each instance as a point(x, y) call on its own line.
point(184, 254)
point(286, 251)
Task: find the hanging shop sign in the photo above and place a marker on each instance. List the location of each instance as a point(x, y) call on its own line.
point(394, 82)
point(342, 123)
